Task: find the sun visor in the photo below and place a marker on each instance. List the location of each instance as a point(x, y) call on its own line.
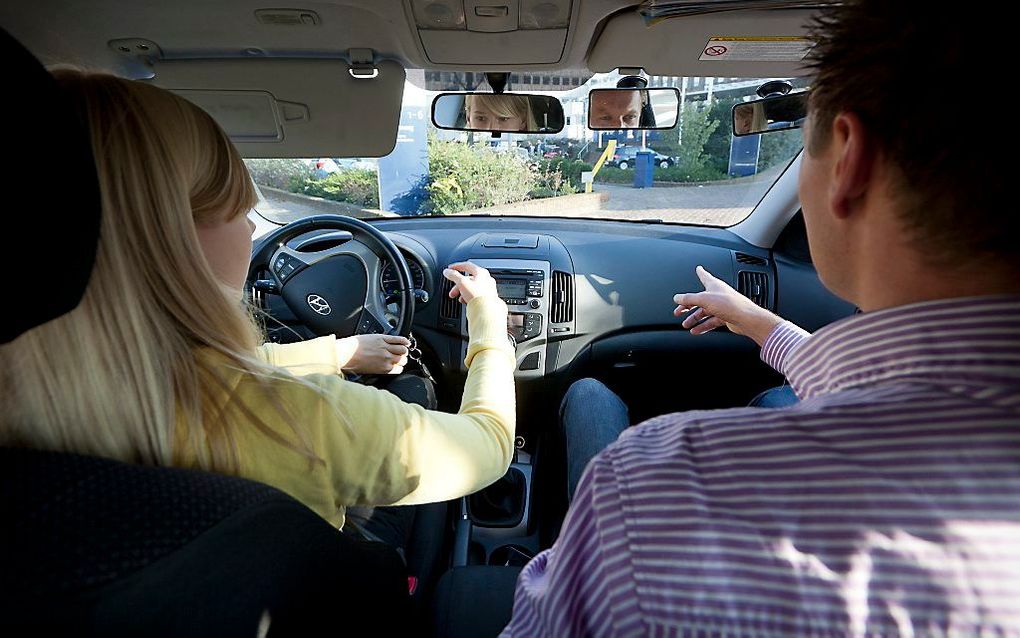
point(294, 108)
point(757, 44)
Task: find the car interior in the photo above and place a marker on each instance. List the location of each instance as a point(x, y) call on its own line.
point(589, 296)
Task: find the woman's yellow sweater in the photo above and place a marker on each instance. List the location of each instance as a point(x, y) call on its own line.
point(376, 449)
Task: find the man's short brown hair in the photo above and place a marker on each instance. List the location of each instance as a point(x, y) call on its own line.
point(914, 73)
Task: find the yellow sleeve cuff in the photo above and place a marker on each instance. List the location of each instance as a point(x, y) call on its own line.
point(486, 317)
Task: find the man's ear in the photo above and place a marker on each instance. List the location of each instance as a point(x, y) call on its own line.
point(853, 168)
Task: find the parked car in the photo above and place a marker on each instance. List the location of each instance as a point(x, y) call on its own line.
point(626, 157)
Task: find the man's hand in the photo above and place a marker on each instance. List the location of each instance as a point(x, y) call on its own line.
point(472, 281)
point(721, 305)
point(373, 354)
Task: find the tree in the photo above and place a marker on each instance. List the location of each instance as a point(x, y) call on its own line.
point(718, 145)
point(693, 163)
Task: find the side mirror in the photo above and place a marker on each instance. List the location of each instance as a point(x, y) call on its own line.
point(497, 112)
point(649, 109)
point(779, 113)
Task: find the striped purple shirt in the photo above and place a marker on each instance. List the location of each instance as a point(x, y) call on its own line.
point(885, 503)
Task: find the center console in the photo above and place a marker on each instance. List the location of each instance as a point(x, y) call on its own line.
point(524, 284)
point(535, 277)
point(494, 526)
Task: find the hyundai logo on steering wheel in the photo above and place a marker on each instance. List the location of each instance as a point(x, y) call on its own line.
point(318, 304)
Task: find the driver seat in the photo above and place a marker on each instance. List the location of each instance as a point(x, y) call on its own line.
point(96, 547)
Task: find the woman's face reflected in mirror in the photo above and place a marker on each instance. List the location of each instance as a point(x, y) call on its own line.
point(481, 118)
point(743, 116)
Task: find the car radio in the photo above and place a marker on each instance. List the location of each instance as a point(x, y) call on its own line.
point(522, 290)
point(526, 285)
point(518, 287)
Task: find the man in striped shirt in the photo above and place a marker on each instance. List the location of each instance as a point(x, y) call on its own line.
point(886, 502)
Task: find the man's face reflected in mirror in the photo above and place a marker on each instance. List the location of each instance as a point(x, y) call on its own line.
point(615, 109)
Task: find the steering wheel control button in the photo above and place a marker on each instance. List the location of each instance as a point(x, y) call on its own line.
point(530, 362)
point(369, 325)
point(318, 304)
point(285, 266)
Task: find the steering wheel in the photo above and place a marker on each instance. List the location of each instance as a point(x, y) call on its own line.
point(337, 290)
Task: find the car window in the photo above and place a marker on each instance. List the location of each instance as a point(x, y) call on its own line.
point(701, 173)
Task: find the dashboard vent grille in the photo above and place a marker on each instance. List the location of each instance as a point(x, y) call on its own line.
point(448, 308)
point(744, 258)
point(562, 309)
point(754, 286)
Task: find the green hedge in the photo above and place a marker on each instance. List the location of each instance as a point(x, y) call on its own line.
point(560, 171)
point(465, 177)
point(675, 174)
point(358, 186)
point(277, 173)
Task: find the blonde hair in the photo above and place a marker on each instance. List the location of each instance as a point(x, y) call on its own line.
point(500, 106)
point(118, 375)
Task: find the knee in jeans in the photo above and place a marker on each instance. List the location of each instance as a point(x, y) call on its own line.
point(586, 390)
point(587, 394)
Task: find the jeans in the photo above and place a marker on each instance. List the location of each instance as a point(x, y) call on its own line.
point(592, 417)
point(780, 397)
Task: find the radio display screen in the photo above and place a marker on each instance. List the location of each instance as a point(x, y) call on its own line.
point(512, 288)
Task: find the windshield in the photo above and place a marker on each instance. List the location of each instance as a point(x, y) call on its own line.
point(701, 173)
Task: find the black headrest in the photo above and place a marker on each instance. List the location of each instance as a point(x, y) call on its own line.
point(54, 170)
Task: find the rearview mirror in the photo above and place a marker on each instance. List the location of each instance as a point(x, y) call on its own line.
point(614, 109)
point(779, 113)
point(502, 112)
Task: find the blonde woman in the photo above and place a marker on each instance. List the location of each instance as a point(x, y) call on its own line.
point(499, 112)
point(161, 363)
point(749, 118)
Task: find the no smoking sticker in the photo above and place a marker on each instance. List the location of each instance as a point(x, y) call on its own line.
point(756, 49)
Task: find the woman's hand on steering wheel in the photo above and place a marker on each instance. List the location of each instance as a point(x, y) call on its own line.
point(373, 354)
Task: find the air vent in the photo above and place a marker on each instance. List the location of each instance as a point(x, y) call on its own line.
point(754, 286)
point(744, 258)
point(449, 308)
point(562, 309)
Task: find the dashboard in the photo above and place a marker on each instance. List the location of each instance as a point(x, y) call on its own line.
point(594, 298)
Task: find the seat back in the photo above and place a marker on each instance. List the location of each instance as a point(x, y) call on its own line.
point(94, 547)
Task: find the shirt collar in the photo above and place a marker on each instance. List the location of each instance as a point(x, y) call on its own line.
point(970, 340)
